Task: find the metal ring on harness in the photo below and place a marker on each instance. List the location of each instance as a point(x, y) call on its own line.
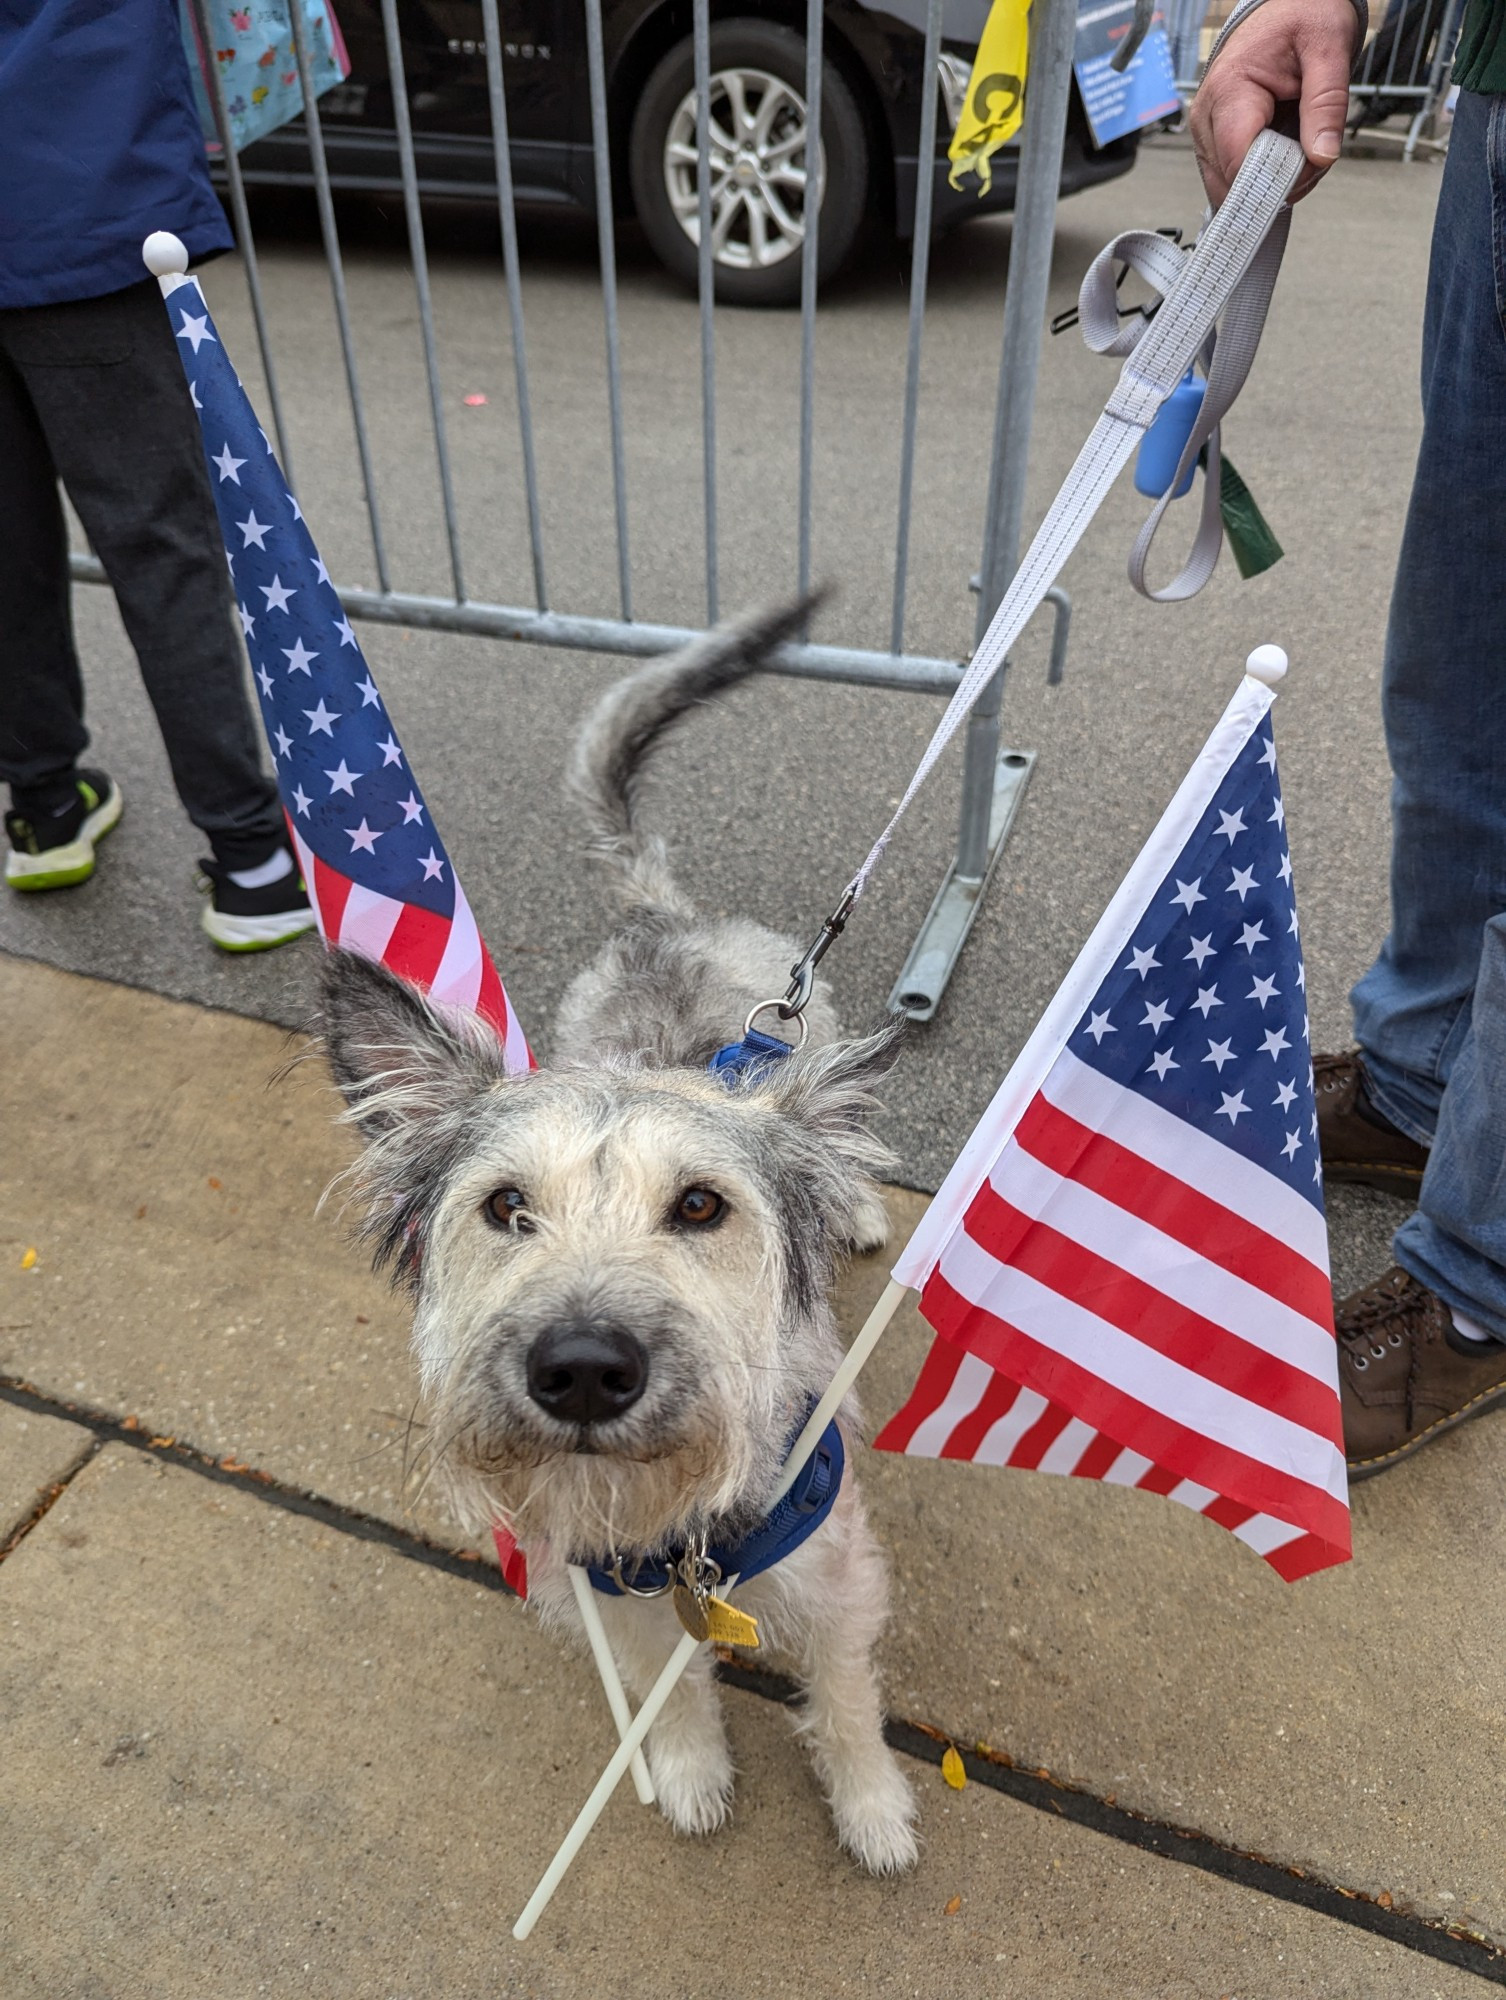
point(779, 1008)
point(614, 1571)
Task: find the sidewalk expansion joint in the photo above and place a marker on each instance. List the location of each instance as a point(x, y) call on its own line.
point(48, 1497)
point(995, 1769)
point(228, 1470)
point(983, 1764)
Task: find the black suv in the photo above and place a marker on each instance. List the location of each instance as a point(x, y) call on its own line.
point(871, 106)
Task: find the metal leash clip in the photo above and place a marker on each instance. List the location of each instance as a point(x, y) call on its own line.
point(803, 971)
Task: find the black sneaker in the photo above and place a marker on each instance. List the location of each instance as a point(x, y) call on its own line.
point(56, 850)
point(253, 919)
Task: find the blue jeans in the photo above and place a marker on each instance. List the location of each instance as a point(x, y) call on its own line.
point(1430, 1014)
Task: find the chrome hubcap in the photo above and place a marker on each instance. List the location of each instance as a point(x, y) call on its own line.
point(758, 176)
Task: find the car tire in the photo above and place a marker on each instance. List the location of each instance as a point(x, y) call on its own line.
point(752, 63)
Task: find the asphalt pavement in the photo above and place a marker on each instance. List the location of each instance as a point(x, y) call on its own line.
point(770, 803)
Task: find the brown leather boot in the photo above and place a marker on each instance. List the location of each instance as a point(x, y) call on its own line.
point(1357, 1142)
point(1405, 1375)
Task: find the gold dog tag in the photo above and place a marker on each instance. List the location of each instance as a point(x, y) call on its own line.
point(727, 1626)
point(691, 1612)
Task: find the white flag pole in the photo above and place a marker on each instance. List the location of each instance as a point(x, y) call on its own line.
point(606, 1784)
point(634, 1732)
point(611, 1680)
point(853, 1363)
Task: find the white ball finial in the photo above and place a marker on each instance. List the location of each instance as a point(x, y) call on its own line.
point(164, 255)
point(1268, 664)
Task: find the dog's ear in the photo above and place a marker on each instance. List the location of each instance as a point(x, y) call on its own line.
point(824, 1154)
point(396, 1056)
point(830, 1093)
point(409, 1071)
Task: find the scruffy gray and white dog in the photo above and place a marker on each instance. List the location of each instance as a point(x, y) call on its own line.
point(621, 1269)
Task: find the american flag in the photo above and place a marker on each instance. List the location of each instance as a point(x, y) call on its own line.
point(377, 873)
point(1128, 1266)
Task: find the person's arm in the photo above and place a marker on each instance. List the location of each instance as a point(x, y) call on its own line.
point(1277, 52)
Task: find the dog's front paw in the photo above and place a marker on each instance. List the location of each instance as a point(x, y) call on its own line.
point(694, 1787)
point(870, 1226)
point(877, 1824)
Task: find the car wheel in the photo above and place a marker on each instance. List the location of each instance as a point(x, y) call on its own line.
point(758, 163)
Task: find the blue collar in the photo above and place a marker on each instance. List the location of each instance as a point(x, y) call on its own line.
point(797, 1515)
point(754, 1051)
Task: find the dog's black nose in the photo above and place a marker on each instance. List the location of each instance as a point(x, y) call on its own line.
point(586, 1374)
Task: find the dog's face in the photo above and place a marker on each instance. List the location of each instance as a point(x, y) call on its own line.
point(620, 1275)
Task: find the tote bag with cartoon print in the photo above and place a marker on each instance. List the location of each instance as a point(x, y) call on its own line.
point(251, 46)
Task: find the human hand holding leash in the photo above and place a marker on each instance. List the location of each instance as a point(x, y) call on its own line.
point(1277, 57)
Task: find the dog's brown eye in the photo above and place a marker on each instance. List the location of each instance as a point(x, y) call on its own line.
point(699, 1207)
point(509, 1207)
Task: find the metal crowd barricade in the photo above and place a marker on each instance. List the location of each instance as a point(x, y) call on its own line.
point(1404, 66)
point(994, 778)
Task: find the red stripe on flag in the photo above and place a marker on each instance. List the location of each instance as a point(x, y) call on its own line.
point(1227, 1513)
point(969, 1431)
point(932, 1385)
point(491, 1000)
point(417, 945)
point(1159, 1479)
point(1160, 1323)
point(1294, 1560)
point(1166, 1443)
point(1203, 1225)
point(1042, 1434)
point(331, 893)
point(1097, 1459)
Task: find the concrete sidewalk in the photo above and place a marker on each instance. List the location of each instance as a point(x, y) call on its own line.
point(261, 1736)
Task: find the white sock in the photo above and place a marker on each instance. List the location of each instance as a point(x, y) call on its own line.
point(1472, 1330)
point(280, 864)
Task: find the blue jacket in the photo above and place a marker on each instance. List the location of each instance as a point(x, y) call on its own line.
point(99, 145)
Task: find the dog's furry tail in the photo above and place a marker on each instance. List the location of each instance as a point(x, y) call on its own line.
point(631, 720)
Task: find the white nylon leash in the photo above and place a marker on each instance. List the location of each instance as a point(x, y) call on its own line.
point(1230, 273)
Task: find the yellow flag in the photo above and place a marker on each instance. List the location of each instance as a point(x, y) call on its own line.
point(995, 93)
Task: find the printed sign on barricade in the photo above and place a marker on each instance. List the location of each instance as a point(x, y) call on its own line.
point(1147, 90)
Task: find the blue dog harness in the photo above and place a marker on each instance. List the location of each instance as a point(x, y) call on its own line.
point(809, 1500)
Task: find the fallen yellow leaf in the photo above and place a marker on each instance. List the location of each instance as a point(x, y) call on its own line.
point(953, 1906)
point(953, 1770)
point(28, 1258)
